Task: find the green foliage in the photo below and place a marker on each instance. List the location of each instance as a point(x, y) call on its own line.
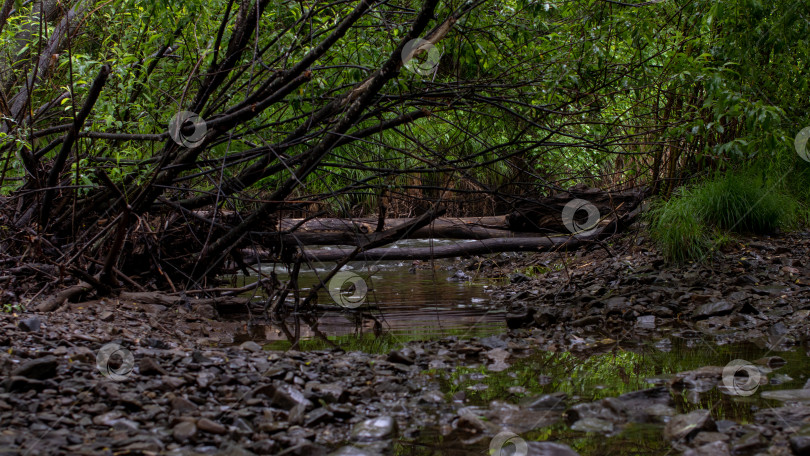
point(677, 229)
point(694, 221)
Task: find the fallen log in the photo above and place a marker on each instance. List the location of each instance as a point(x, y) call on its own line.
point(534, 219)
point(475, 247)
point(334, 231)
point(472, 247)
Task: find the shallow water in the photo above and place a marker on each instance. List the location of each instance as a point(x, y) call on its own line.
point(406, 303)
point(609, 370)
point(422, 304)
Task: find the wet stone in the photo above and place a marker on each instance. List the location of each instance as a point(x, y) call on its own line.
point(800, 444)
point(39, 368)
point(688, 425)
point(32, 324)
point(183, 405)
point(251, 346)
point(184, 431)
point(401, 357)
point(287, 396)
point(554, 401)
point(318, 416)
point(748, 442)
point(382, 427)
point(351, 451)
point(549, 449)
point(717, 448)
point(799, 395)
point(150, 366)
point(211, 427)
point(593, 425)
point(713, 309)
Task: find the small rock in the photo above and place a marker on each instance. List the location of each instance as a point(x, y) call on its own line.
point(107, 419)
point(713, 309)
point(688, 425)
point(106, 316)
point(350, 451)
point(317, 416)
point(798, 395)
point(800, 444)
point(646, 322)
point(593, 425)
point(288, 396)
point(184, 431)
point(183, 405)
point(519, 278)
point(296, 414)
point(211, 427)
point(400, 357)
point(549, 449)
point(251, 346)
point(382, 427)
point(39, 368)
point(554, 401)
point(717, 448)
point(149, 366)
point(30, 324)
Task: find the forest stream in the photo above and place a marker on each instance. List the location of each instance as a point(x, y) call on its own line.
point(458, 357)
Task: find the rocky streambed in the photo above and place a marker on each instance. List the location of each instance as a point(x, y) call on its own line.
point(608, 354)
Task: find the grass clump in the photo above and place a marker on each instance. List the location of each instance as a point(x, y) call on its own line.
point(696, 219)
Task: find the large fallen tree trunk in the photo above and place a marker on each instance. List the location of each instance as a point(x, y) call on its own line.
point(334, 231)
point(531, 222)
point(537, 243)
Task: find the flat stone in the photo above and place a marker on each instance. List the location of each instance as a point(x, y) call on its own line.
point(400, 357)
point(106, 316)
point(382, 427)
point(798, 395)
point(183, 405)
point(149, 366)
point(296, 414)
point(549, 449)
point(211, 427)
point(349, 450)
point(32, 324)
point(251, 346)
point(288, 396)
point(718, 448)
point(554, 401)
point(713, 309)
point(688, 425)
point(39, 368)
point(184, 431)
point(593, 425)
point(331, 392)
point(800, 444)
point(317, 416)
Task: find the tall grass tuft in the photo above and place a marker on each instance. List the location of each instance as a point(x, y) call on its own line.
point(689, 225)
